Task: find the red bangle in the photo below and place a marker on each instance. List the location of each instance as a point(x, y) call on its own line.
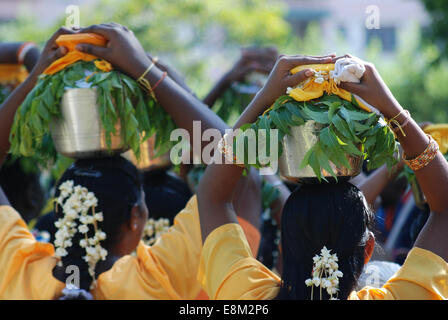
point(160, 80)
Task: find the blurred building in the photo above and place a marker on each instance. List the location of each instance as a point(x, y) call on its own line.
point(358, 22)
point(350, 20)
point(47, 11)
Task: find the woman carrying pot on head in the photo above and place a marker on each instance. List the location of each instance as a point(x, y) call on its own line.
point(100, 208)
point(326, 235)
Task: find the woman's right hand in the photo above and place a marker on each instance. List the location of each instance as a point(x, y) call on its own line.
point(374, 91)
point(123, 49)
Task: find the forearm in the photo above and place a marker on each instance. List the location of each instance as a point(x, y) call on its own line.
point(278, 204)
point(374, 184)
point(9, 54)
point(434, 177)
point(183, 107)
point(219, 181)
point(8, 110)
point(216, 92)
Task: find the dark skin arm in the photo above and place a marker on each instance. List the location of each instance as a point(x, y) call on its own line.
point(374, 184)
point(253, 59)
point(183, 107)
point(8, 109)
point(9, 54)
point(284, 193)
point(433, 178)
point(178, 102)
point(216, 189)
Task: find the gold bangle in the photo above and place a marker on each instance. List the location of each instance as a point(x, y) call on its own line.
point(398, 125)
point(145, 83)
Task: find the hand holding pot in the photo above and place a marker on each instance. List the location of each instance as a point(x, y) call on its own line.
point(123, 49)
point(374, 91)
point(281, 78)
point(51, 52)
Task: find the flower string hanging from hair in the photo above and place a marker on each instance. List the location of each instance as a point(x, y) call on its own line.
point(77, 202)
point(325, 273)
point(154, 229)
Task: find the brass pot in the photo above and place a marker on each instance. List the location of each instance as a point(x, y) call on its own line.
point(79, 132)
point(147, 160)
point(296, 145)
point(419, 197)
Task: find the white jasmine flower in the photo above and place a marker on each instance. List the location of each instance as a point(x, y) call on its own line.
point(101, 235)
point(83, 229)
point(309, 282)
point(316, 281)
point(99, 216)
point(319, 80)
point(60, 252)
point(338, 274)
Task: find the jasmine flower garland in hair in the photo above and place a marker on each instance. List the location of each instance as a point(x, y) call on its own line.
point(154, 229)
point(79, 216)
point(325, 274)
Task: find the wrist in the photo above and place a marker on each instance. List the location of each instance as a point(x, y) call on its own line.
point(140, 67)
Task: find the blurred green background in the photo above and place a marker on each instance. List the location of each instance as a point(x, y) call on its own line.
point(202, 38)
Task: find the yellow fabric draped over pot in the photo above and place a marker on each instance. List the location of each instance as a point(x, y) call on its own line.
point(440, 133)
point(70, 41)
point(12, 74)
point(313, 90)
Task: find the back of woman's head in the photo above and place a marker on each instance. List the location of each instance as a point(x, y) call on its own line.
point(116, 184)
point(334, 215)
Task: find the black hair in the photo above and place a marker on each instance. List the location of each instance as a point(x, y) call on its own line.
point(166, 194)
point(117, 185)
point(334, 215)
point(23, 188)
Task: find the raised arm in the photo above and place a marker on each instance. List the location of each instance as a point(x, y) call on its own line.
point(26, 52)
point(125, 52)
point(433, 178)
point(252, 59)
point(15, 99)
point(215, 191)
point(373, 185)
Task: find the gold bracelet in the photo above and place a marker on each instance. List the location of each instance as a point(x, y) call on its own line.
point(145, 83)
point(398, 125)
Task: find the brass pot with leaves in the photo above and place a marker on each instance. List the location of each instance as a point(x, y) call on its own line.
point(295, 148)
point(79, 133)
point(148, 159)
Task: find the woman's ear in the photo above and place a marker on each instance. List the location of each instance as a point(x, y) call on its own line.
point(134, 221)
point(370, 245)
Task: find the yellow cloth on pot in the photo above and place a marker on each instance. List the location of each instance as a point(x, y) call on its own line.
point(313, 90)
point(440, 133)
point(70, 41)
point(12, 74)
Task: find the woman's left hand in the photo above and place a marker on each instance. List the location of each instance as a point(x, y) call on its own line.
point(281, 78)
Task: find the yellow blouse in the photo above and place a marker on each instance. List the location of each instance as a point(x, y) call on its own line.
point(166, 270)
point(228, 271)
